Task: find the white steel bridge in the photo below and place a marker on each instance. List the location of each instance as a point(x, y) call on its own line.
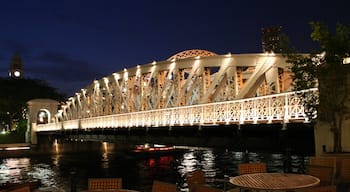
point(194, 87)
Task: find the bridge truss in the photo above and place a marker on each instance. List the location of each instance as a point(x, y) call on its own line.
point(189, 78)
point(194, 87)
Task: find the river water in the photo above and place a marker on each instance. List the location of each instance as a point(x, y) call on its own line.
point(70, 171)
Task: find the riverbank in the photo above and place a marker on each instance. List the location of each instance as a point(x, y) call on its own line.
point(15, 150)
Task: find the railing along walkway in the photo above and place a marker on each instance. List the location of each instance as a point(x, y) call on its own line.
point(278, 108)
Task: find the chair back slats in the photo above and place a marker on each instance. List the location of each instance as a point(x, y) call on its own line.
point(324, 173)
point(196, 177)
point(105, 183)
point(205, 188)
point(325, 161)
point(248, 168)
point(22, 189)
point(160, 186)
point(345, 171)
point(328, 188)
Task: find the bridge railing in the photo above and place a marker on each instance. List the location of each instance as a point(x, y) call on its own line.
point(278, 108)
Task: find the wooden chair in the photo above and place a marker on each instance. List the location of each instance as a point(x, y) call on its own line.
point(21, 189)
point(104, 183)
point(160, 186)
point(344, 176)
point(248, 168)
point(196, 176)
point(343, 181)
point(204, 188)
point(325, 161)
point(328, 188)
point(324, 173)
point(195, 179)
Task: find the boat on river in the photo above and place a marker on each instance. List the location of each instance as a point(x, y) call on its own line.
point(153, 148)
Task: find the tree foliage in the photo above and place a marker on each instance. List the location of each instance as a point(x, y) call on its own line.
point(326, 71)
point(15, 93)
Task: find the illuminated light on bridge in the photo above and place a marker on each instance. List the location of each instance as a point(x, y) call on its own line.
point(278, 108)
point(194, 87)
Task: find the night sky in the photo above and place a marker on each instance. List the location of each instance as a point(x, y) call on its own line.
point(71, 43)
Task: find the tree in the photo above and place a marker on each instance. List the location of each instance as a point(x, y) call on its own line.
point(327, 71)
point(15, 93)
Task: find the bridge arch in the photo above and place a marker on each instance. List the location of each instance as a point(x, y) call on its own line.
point(191, 53)
point(43, 116)
point(188, 78)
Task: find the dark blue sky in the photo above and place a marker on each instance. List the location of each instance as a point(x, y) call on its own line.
point(71, 43)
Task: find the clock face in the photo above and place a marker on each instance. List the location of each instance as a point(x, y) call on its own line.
point(17, 73)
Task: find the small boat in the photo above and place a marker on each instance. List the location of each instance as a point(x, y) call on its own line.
point(154, 148)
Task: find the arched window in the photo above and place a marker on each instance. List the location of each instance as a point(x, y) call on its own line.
point(43, 116)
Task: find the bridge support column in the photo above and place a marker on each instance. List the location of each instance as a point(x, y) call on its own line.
point(32, 138)
point(39, 111)
point(284, 126)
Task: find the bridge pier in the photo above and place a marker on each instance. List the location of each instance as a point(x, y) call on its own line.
point(40, 111)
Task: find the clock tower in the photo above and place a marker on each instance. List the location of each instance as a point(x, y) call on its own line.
point(16, 67)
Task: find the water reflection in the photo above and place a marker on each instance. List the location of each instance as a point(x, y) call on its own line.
point(14, 169)
point(20, 170)
point(105, 160)
point(137, 171)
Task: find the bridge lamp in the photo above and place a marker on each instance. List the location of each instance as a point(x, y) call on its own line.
point(96, 83)
point(116, 76)
point(125, 74)
point(229, 54)
point(154, 62)
point(198, 57)
point(106, 80)
point(269, 53)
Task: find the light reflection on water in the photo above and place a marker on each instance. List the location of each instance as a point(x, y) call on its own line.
point(19, 170)
point(138, 172)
